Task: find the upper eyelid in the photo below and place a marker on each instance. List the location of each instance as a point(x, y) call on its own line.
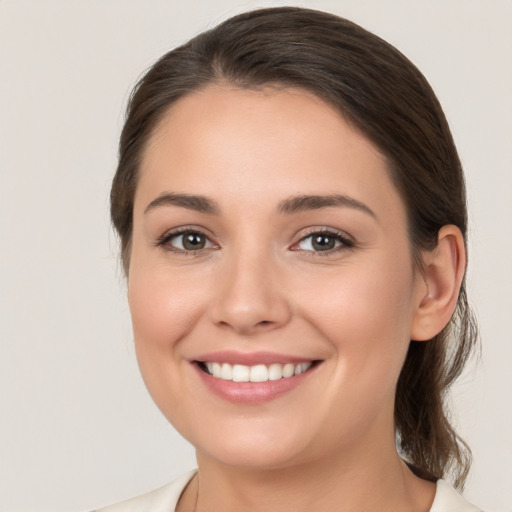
point(170, 233)
point(163, 241)
point(299, 237)
point(347, 241)
point(324, 229)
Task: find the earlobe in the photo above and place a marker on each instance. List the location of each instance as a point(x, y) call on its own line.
point(442, 275)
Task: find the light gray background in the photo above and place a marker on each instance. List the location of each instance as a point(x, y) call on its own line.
point(77, 428)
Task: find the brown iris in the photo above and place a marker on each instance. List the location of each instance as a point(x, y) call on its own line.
point(323, 242)
point(193, 241)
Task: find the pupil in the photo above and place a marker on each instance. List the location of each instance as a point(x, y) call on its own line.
point(193, 241)
point(323, 243)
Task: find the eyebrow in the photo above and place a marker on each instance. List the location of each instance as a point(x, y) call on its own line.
point(303, 203)
point(190, 202)
point(289, 206)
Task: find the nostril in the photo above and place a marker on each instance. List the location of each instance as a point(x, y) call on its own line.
point(264, 324)
point(249, 312)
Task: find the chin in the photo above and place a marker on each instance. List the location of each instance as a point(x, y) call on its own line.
point(252, 459)
point(252, 450)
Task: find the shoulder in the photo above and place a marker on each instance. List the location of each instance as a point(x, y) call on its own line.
point(449, 500)
point(163, 499)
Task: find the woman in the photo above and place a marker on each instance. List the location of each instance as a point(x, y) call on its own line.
point(291, 210)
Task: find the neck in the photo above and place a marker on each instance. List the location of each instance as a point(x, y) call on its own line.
point(352, 484)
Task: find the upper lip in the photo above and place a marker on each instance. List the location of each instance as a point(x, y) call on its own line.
point(250, 358)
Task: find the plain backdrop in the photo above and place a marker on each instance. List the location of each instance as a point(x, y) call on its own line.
point(77, 427)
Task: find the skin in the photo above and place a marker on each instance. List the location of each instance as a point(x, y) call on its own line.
point(258, 285)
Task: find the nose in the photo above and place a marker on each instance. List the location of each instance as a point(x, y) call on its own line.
point(250, 295)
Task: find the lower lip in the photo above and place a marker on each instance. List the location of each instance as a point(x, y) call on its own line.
point(253, 393)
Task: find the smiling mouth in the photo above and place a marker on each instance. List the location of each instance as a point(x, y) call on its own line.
point(254, 373)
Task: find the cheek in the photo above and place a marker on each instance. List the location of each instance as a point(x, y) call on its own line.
point(164, 309)
point(362, 298)
point(165, 306)
point(365, 313)
point(154, 307)
point(364, 317)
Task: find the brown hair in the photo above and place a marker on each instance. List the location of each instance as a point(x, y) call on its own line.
point(386, 97)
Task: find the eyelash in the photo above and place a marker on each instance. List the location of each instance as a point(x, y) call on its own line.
point(345, 242)
point(163, 241)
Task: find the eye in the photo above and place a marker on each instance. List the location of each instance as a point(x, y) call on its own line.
point(323, 241)
point(185, 241)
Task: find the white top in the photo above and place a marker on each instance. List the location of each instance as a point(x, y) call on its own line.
point(165, 498)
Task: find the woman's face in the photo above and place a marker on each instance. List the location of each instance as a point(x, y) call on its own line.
point(268, 239)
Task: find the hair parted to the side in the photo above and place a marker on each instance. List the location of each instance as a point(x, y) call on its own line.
point(384, 96)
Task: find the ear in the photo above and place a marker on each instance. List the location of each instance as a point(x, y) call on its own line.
point(442, 277)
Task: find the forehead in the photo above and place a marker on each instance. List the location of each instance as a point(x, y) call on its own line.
point(261, 143)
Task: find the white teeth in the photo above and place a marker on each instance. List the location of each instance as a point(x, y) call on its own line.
point(275, 371)
point(240, 373)
point(256, 373)
point(301, 368)
point(226, 372)
point(216, 369)
point(288, 370)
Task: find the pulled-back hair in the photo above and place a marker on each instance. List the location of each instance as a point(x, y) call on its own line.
point(383, 95)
